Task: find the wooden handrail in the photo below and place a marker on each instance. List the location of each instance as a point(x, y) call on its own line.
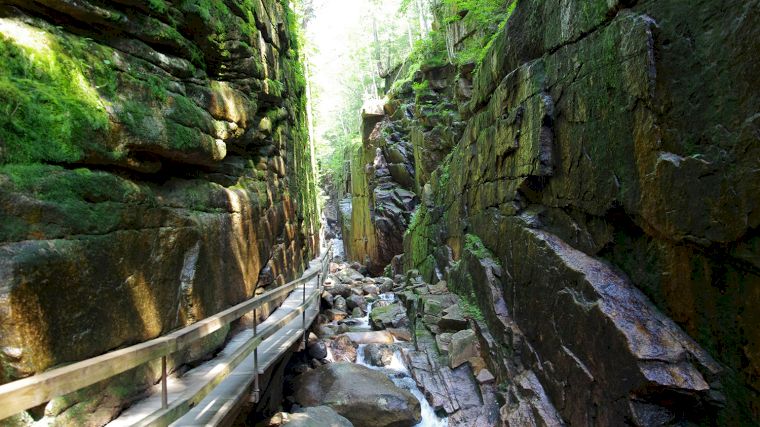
point(192, 397)
point(29, 392)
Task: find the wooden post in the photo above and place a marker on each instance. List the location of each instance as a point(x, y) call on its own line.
point(164, 388)
point(303, 314)
point(256, 390)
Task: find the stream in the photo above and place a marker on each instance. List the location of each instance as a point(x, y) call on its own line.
point(396, 370)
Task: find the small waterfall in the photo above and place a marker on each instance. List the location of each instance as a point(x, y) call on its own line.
point(397, 370)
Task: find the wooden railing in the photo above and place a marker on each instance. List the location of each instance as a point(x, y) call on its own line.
point(29, 392)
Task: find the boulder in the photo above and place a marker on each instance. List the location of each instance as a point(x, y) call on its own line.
point(439, 288)
point(339, 303)
point(357, 313)
point(378, 354)
point(371, 289)
point(326, 331)
point(341, 289)
point(377, 337)
point(317, 416)
point(343, 349)
point(464, 345)
point(355, 301)
point(393, 316)
point(401, 334)
point(452, 319)
point(385, 286)
point(335, 315)
point(365, 397)
point(443, 340)
point(348, 275)
point(317, 349)
point(485, 377)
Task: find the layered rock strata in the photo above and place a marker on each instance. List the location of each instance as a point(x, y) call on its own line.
point(602, 205)
point(154, 169)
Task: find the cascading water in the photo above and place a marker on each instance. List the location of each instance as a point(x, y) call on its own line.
point(399, 374)
point(397, 371)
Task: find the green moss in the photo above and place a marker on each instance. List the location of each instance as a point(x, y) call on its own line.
point(276, 87)
point(49, 109)
point(86, 201)
point(468, 304)
point(158, 5)
point(473, 244)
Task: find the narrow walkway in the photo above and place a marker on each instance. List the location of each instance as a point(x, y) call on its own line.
point(214, 402)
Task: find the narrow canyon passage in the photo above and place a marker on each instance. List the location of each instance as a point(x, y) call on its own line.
point(387, 213)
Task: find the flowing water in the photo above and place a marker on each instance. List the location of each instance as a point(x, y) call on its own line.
point(397, 371)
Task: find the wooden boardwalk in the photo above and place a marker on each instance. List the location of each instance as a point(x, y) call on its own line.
point(212, 393)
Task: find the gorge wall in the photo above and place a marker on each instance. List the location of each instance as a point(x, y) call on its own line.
point(155, 169)
point(593, 184)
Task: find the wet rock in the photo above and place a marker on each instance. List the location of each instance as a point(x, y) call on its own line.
point(464, 345)
point(340, 289)
point(317, 416)
point(378, 354)
point(348, 276)
point(433, 307)
point(373, 337)
point(442, 341)
point(335, 315)
point(316, 349)
point(527, 404)
point(386, 285)
point(366, 397)
point(421, 289)
point(343, 349)
point(439, 288)
point(326, 331)
point(356, 301)
point(401, 334)
point(431, 322)
point(370, 289)
point(477, 364)
point(357, 313)
point(339, 303)
point(485, 377)
point(452, 319)
point(393, 316)
point(381, 303)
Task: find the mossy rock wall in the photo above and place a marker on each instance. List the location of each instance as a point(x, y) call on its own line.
point(613, 146)
point(155, 169)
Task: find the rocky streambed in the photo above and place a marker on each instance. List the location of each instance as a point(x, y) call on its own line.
point(389, 352)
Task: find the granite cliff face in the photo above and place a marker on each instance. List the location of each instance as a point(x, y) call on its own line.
point(601, 204)
point(154, 169)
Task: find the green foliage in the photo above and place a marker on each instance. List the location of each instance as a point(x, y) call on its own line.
point(421, 87)
point(158, 5)
point(468, 304)
point(276, 87)
point(388, 271)
point(489, 16)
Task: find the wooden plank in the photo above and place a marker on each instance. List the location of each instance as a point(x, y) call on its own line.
point(36, 390)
